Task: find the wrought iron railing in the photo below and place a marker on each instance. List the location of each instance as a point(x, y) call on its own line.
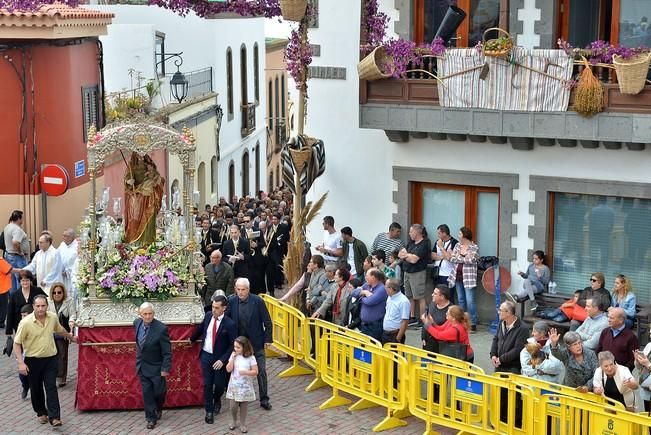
point(199, 83)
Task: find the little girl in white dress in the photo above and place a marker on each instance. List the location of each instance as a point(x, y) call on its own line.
point(243, 368)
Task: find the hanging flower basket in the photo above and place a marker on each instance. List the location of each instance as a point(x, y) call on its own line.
point(369, 68)
point(499, 47)
point(632, 72)
point(293, 10)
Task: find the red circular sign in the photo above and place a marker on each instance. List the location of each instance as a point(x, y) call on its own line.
point(54, 180)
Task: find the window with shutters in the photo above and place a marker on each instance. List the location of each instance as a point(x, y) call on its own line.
point(90, 108)
point(256, 73)
point(229, 83)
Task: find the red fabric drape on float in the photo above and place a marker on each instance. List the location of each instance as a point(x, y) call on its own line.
point(106, 374)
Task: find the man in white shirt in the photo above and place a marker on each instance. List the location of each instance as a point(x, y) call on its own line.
point(68, 253)
point(46, 264)
point(332, 248)
point(441, 255)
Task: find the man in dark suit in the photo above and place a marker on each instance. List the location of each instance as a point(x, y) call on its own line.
point(236, 252)
point(153, 361)
point(219, 276)
point(218, 333)
point(276, 241)
point(250, 314)
point(209, 239)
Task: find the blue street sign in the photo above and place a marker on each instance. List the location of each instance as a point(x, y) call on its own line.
point(363, 355)
point(80, 168)
point(469, 386)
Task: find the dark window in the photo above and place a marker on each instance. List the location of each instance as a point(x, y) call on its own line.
point(229, 82)
point(231, 180)
point(271, 106)
point(256, 73)
point(213, 174)
point(90, 108)
point(257, 168)
point(283, 97)
point(243, 75)
point(160, 54)
point(277, 106)
point(245, 174)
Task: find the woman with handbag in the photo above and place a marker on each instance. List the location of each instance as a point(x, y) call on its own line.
point(453, 334)
point(615, 381)
point(64, 308)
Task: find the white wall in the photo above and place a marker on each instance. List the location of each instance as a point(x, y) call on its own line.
point(130, 43)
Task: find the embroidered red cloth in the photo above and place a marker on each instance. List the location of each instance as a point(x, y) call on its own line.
point(106, 373)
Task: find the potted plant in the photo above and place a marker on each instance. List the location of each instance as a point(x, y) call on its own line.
point(293, 10)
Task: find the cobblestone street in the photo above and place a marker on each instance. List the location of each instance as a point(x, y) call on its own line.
point(294, 411)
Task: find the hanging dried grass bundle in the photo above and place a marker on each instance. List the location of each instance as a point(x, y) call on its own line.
point(589, 97)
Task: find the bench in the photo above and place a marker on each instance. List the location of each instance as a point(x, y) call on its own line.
point(555, 300)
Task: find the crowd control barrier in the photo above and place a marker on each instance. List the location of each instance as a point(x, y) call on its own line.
point(367, 371)
point(418, 357)
point(582, 417)
point(468, 401)
point(288, 337)
point(313, 330)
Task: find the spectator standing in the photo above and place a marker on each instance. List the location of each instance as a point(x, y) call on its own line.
point(5, 287)
point(318, 282)
point(597, 321)
point(624, 298)
point(218, 276)
point(319, 293)
point(373, 303)
point(464, 278)
point(453, 330)
point(64, 307)
point(251, 316)
point(615, 381)
point(153, 361)
point(68, 250)
point(441, 255)
point(580, 361)
point(389, 242)
point(438, 312)
point(35, 337)
point(331, 249)
point(396, 316)
point(618, 339)
point(17, 245)
point(24, 296)
point(415, 258)
point(509, 340)
point(338, 300)
point(643, 364)
point(354, 252)
point(218, 333)
point(46, 264)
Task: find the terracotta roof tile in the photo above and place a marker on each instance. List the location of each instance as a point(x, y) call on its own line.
point(57, 11)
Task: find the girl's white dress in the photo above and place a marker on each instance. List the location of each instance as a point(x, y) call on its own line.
point(240, 388)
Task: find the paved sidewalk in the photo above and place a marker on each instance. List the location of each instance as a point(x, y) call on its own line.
point(294, 411)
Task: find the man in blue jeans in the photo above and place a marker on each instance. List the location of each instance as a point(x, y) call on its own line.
point(373, 301)
point(17, 246)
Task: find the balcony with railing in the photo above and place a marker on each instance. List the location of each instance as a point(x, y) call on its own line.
point(200, 83)
point(248, 119)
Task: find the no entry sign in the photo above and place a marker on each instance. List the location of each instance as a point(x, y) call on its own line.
point(54, 179)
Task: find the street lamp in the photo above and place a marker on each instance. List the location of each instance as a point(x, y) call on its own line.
point(179, 84)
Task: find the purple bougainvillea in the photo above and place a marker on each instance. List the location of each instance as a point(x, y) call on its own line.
point(375, 24)
point(203, 8)
point(600, 51)
point(298, 55)
point(32, 5)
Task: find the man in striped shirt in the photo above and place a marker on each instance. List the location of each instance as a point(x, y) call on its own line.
point(389, 242)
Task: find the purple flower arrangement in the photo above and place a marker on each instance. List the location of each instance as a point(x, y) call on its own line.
point(203, 8)
point(298, 56)
point(600, 51)
point(375, 24)
point(32, 5)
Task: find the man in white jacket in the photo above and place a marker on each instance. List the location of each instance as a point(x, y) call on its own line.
point(46, 264)
point(68, 253)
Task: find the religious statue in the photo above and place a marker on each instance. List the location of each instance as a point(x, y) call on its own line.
point(143, 191)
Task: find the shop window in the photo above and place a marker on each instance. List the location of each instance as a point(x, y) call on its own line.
point(593, 233)
point(457, 206)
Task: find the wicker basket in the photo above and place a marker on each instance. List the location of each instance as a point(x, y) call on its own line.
point(293, 10)
point(505, 48)
point(632, 73)
point(369, 68)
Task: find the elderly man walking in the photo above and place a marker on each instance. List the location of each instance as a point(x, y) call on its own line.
point(251, 316)
point(35, 337)
point(46, 264)
point(68, 254)
point(153, 361)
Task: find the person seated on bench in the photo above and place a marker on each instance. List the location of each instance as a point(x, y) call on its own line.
point(623, 297)
point(597, 321)
point(562, 314)
point(536, 279)
point(596, 288)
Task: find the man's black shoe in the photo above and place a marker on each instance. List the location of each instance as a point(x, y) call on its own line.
point(210, 418)
point(266, 406)
point(218, 407)
point(23, 394)
point(151, 424)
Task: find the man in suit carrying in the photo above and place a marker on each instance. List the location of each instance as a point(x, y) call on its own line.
point(219, 276)
point(153, 361)
point(218, 332)
point(236, 251)
point(250, 314)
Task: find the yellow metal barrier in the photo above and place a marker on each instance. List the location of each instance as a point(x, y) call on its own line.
point(468, 401)
point(313, 330)
point(418, 357)
point(288, 336)
point(581, 417)
point(366, 371)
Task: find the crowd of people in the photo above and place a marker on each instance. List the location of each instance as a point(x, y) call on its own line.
point(382, 291)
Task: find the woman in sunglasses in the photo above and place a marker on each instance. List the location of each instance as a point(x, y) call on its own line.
point(64, 308)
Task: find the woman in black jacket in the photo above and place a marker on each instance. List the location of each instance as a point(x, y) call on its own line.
point(24, 296)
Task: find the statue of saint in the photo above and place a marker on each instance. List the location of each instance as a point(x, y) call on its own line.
point(143, 191)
